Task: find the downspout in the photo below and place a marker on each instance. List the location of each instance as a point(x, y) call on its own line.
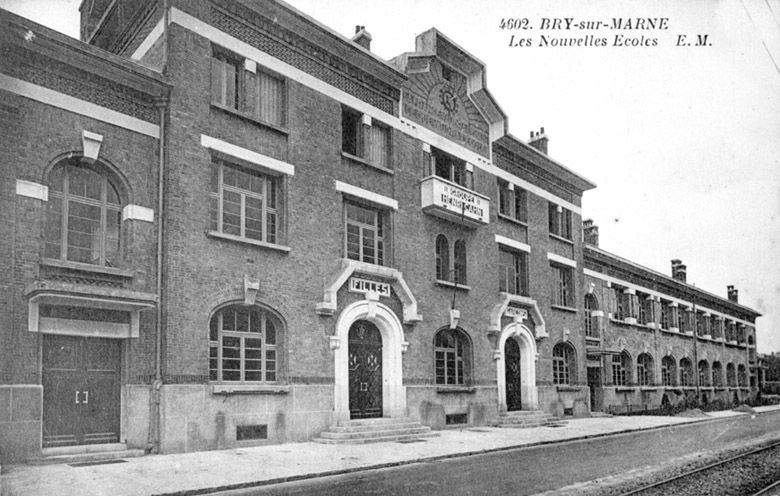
point(156, 413)
point(155, 417)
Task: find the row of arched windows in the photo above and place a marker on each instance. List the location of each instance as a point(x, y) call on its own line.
point(674, 374)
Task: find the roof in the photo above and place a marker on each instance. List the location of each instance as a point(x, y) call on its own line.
point(22, 32)
point(528, 152)
point(594, 251)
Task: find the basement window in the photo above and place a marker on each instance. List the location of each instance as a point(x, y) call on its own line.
point(456, 419)
point(251, 432)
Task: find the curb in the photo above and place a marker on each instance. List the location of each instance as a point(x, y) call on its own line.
point(462, 454)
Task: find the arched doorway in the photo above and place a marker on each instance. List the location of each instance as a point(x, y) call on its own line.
point(516, 369)
point(365, 370)
point(513, 375)
point(390, 372)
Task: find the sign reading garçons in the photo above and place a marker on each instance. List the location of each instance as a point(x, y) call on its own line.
point(513, 312)
point(363, 286)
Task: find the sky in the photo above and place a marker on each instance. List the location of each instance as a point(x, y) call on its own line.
point(683, 142)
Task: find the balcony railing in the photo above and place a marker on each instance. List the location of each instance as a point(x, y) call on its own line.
point(450, 201)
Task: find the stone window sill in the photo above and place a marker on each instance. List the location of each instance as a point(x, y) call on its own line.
point(648, 388)
point(566, 389)
point(455, 390)
point(625, 389)
point(253, 242)
point(84, 267)
point(561, 238)
point(365, 162)
point(450, 284)
point(243, 388)
point(564, 308)
point(254, 120)
point(513, 220)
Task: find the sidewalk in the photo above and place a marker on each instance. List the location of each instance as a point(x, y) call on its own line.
point(200, 472)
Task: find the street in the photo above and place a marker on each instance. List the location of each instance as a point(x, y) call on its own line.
point(533, 470)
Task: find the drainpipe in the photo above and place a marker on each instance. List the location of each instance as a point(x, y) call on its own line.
point(155, 415)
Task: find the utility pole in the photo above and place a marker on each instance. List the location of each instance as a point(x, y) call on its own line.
point(696, 350)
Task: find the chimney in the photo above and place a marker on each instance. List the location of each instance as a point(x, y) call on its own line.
point(590, 232)
point(362, 37)
point(539, 140)
point(732, 293)
point(678, 270)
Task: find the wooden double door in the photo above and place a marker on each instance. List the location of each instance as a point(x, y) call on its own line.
point(365, 370)
point(81, 390)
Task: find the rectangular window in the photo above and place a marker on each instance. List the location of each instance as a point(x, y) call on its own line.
point(256, 93)
point(512, 201)
point(559, 221)
point(452, 169)
point(563, 286)
point(364, 233)
point(682, 319)
point(665, 315)
point(512, 272)
point(244, 203)
point(370, 142)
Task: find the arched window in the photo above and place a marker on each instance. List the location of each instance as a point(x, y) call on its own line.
point(564, 365)
point(452, 357)
point(704, 373)
point(686, 372)
point(644, 370)
point(621, 369)
point(84, 215)
point(459, 252)
point(742, 375)
point(717, 374)
point(731, 375)
point(591, 326)
point(668, 371)
point(243, 344)
point(442, 258)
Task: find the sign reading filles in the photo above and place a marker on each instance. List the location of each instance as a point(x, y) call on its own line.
point(363, 286)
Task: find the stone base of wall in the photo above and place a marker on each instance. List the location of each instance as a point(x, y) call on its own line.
point(20, 422)
point(624, 399)
point(430, 405)
point(196, 418)
point(564, 401)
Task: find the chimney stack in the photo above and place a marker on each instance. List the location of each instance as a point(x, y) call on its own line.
point(539, 140)
point(362, 37)
point(590, 232)
point(732, 293)
point(678, 270)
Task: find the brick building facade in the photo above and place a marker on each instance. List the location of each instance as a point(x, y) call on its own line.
point(232, 226)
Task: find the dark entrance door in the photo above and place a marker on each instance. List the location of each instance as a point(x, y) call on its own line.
point(365, 370)
point(80, 390)
point(594, 384)
point(513, 383)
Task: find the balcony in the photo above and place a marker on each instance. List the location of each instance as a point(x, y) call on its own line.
point(452, 202)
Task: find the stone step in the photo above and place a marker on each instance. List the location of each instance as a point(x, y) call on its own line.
point(375, 421)
point(374, 430)
point(369, 428)
point(382, 439)
point(61, 456)
point(375, 433)
point(525, 413)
